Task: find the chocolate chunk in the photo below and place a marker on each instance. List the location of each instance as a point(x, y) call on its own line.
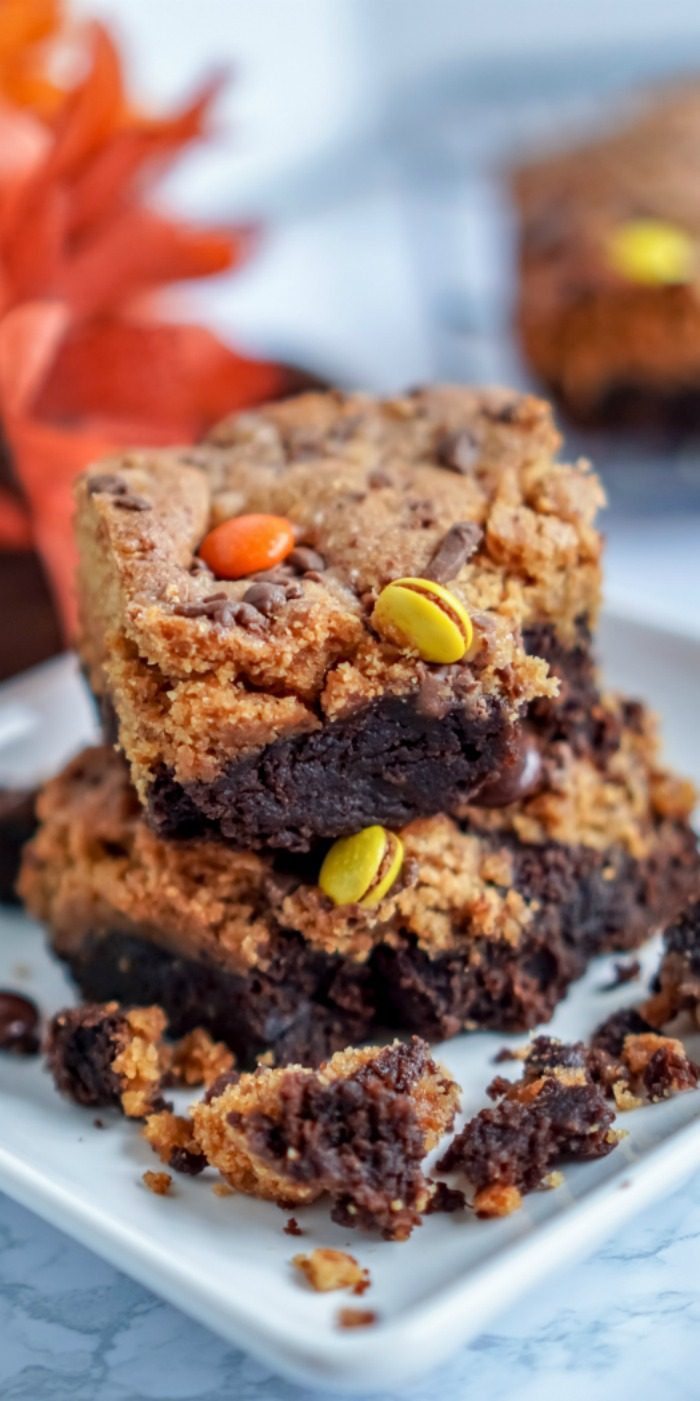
point(458, 452)
point(19, 1024)
point(519, 776)
point(304, 559)
point(267, 598)
point(132, 502)
point(107, 483)
point(453, 551)
point(186, 1161)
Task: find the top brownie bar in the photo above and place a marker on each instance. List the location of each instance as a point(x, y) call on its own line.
point(609, 250)
point(285, 706)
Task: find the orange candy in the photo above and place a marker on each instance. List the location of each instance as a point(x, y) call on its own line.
point(247, 545)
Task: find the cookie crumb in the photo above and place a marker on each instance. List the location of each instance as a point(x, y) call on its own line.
point(497, 1200)
point(222, 1189)
point(158, 1183)
point(199, 1060)
point(356, 1318)
point(292, 1227)
point(326, 1269)
point(171, 1136)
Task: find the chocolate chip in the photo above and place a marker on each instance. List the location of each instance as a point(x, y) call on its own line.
point(520, 775)
point(453, 551)
point(186, 1161)
point(444, 1198)
point(132, 502)
point(379, 479)
point(304, 558)
point(107, 483)
point(430, 698)
point(19, 1024)
point(219, 608)
point(267, 598)
point(458, 452)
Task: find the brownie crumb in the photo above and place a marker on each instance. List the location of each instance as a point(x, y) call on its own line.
point(19, 1024)
point(555, 1113)
point(356, 1318)
point(98, 1123)
point(160, 1183)
point(445, 1199)
point(625, 972)
point(102, 1054)
point(676, 987)
point(326, 1269)
point(356, 1130)
point(292, 1227)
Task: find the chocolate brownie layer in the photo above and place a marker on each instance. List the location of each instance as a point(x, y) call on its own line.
point(616, 335)
point(104, 1055)
point(481, 929)
point(276, 710)
point(677, 982)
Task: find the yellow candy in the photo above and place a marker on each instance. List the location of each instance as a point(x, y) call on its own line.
point(421, 614)
point(361, 869)
point(653, 252)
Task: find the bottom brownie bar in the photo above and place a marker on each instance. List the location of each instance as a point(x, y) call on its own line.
point(485, 926)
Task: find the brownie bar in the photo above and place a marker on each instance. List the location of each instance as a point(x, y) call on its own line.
point(608, 313)
point(276, 709)
point(357, 1130)
point(487, 924)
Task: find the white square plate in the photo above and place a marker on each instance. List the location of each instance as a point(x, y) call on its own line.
point(226, 1260)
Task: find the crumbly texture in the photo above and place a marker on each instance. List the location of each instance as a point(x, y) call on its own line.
point(160, 1183)
point(326, 1270)
point(172, 1137)
point(199, 1060)
point(215, 698)
point(613, 350)
point(484, 928)
point(357, 1130)
point(676, 987)
point(555, 1113)
point(104, 1054)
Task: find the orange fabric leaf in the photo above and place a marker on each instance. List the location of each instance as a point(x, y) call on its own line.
point(91, 111)
point(15, 526)
point(103, 185)
point(138, 250)
point(29, 338)
point(26, 22)
point(179, 378)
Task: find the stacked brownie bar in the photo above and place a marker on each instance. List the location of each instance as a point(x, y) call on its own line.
point(364, 776)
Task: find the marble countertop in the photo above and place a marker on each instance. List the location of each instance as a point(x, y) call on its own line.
point(623, 1324)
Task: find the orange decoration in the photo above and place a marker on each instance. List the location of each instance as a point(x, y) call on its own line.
point(247, 545)
point(86, 365)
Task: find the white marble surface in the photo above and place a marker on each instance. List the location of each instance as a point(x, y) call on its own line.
point(624, 1324)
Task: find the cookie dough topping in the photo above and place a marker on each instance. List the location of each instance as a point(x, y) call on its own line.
point(361, 870)
point(421, 614)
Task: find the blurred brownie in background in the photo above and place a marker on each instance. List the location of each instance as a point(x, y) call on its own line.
point(608, 307)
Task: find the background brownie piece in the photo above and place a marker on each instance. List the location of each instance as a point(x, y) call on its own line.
point(616, 335)
point(676, 986)
point(281, 719)
point(486, 925)
point(357, 1130)
point(17, 824)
